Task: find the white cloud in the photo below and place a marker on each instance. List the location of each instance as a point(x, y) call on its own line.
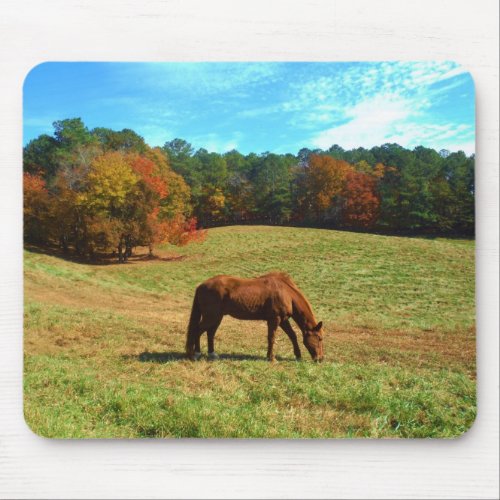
point(468, 147)
point(353, 104)
point(220, 147)
point(393, 119)
point(317, 100)
point(458, 70)
point(371, 122)
point(213, 143)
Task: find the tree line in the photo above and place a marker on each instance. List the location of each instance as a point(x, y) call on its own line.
point(102, 190)
point(386, 188)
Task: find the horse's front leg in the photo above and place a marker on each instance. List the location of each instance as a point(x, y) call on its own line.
point(287, 327)
point(272, 326)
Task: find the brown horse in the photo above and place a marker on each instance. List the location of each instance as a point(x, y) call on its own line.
point(273, 297)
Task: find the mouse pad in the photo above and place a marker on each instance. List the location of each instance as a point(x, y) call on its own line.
point(249, 250)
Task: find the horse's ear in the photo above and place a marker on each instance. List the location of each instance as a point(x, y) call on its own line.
point(318, 327)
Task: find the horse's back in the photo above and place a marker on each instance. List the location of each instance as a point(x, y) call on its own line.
point(246, 298)
point(219, 283)
point(223, 282)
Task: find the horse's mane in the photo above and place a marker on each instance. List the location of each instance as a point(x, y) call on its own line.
point(284, 277)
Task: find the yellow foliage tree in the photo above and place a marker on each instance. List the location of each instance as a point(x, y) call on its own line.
point(325, 177)
point(215, 203)
point(110, 183)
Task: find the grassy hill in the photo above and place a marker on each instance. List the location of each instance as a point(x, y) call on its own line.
point(104, 343)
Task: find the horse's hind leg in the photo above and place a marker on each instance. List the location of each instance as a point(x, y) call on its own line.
point(211, 336)
point(197, 347)
point(272, 326)
point(208, 324)
point(287, 328)
point(202, 327)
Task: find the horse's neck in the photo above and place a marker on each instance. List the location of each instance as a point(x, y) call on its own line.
point(302, 313)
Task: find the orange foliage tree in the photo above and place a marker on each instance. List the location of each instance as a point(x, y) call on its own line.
point(361, 203)
point(36, 208)
point(113, 202)
point(170, 220)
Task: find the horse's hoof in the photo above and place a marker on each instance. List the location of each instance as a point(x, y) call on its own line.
point(212, 356)
point(298, 358)
point(271, 360)
point(197, 356)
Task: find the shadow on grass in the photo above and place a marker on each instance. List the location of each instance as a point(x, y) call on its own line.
point(100, 259)
point(173, 356)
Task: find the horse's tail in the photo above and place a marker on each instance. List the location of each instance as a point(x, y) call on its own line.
point(194, 321)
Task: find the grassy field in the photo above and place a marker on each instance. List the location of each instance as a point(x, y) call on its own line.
point(104, 343)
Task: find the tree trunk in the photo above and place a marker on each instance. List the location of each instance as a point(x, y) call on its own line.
point(64, 243)
point(120, 251)
point(128, 247)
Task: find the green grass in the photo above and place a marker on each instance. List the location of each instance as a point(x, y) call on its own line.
point(103, 343)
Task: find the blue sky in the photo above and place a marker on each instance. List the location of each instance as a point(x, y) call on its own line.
point(257, 107)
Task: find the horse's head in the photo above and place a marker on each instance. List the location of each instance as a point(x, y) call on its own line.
point(313, 340)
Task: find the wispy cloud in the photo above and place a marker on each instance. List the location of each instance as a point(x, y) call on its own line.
point(394, 119)
point(155, 135)
point(202, 78)
point(39, 125)
point(274, 105)
point(371, 122)
point(394, 104)
point(260, 111)
point(214, 143)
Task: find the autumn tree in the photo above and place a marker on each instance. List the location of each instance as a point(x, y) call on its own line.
point(35, 208)
point(102, 190)
point(323, 182)
point(360, 200)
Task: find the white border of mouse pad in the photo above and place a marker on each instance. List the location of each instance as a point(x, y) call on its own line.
point(40, 468)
